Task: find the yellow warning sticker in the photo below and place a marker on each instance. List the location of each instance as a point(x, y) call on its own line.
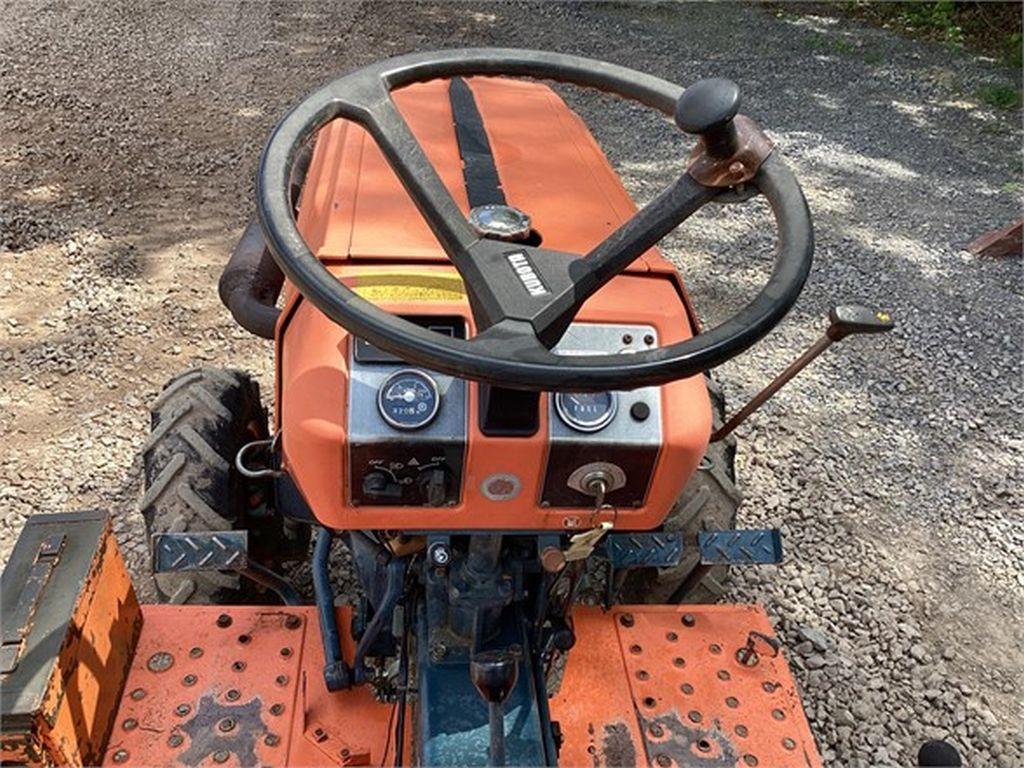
point(409, 286)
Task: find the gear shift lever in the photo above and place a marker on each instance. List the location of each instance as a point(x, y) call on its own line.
point(494, 674)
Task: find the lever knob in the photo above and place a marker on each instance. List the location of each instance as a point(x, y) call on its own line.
point(707, 108)
point(494, 674)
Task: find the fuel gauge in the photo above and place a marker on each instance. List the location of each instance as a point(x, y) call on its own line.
point(408, 399)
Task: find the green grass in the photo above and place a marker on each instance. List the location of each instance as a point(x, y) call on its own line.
point(845, 46)
point(1000, 96)
point(1012, 186)
point(873, 58)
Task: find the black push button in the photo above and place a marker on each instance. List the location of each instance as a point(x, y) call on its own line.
point(640, 411)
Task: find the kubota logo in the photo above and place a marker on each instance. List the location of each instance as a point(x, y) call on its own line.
point(527, 275)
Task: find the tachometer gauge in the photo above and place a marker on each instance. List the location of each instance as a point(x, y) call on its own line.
point(586, 411)
point(408, 399)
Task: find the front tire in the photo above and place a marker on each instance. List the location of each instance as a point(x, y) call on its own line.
point(708, 502)
point(199, 422)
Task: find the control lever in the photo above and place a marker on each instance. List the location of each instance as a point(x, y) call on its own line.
point(844, 321)
point(494, 675)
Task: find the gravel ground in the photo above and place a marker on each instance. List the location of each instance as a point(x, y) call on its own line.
point(128, 139)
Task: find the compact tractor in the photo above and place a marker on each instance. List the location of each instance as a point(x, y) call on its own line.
point(492, 402)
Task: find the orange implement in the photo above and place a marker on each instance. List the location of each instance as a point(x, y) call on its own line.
point(644, 685)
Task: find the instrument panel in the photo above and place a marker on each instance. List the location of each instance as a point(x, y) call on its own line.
point(406, 427)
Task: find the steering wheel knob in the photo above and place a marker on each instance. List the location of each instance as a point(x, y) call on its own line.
point(707, 108)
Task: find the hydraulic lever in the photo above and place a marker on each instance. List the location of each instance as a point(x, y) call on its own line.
point(494, 675)
point(844, 321)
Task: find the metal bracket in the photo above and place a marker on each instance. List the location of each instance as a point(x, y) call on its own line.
point(644, 550)
point(757, 546)
point(205, 551)
point(16, 626)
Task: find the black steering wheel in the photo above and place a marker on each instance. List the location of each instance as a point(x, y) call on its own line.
point(518, 321)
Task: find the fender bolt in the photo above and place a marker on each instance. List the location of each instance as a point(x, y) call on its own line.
point(223, 621)
point(292, 621)
point(688, 620)
point(626, 620)
point(120, 756)
point(130, 724)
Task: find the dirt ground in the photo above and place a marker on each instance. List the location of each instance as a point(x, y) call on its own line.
point(129, 135)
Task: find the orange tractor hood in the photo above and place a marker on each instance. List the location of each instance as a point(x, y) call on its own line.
point(550, 166)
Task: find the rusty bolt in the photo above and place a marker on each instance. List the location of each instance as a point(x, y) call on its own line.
point(130, 724)
point(195, 652)
point(319, 735)
point(635, 649)
point(663, 760)
point(138, 694)
point(750, 760)
point(769, 687)
point(276, 709)
point(642, 675)
point(286, 652)
point(438, 651)
point(648, 339)
point(238, 666)
point(292, 621)
point(244, 639)
point(120, 756)
point(281, 680)
point(778, 714)
point(271, 739)
point(175, 740)
point(223, 621)
point(679, 661)
point(226, 725)
point(627, 620)
point(695, 716)
point(182, 709)
point(732, 702)
point(650, 701)
point(221, 756)
point(723, 674)
point(656, 730)
point(232, 695)
point(160, 661)
point(788, 743)
point(715, 648)
point(345, 753)
point(189, 679)
point(686, 688)
point(671, 636)
point(688, 620)
point(741, 730)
